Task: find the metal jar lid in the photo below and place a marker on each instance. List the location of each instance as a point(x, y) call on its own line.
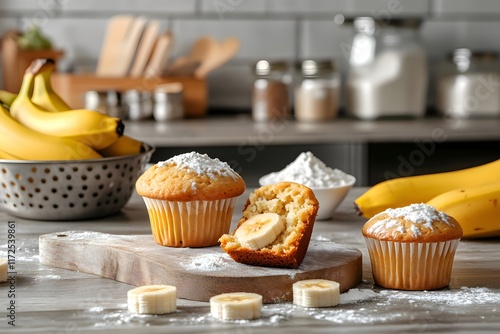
point(463, 57)
point(311, 67)
point(265, 67)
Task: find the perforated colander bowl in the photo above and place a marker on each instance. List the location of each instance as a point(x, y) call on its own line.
point(69, 190)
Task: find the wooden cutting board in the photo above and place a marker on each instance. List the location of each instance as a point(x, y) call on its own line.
point(145, 48)
point(198, 273)
point(112, 47)
point(159, 56)
point(129, 47)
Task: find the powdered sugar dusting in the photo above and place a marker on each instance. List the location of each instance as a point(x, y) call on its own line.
point(418, 213)
point(207, 262)
point(422, 216)
point(200, 164)
point(311, 172)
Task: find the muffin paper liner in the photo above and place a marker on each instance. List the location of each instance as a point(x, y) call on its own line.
point(411, 265)
point(189, 224)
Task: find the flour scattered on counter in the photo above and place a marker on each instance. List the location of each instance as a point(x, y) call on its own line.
point(50, 277)
point(357, 295)
point(462, 297)
point(311, 172)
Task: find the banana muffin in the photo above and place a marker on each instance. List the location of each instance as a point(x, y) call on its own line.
point(276, 226)
point(412, 247)
point(190, 199)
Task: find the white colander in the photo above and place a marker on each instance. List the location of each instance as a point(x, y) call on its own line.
point(69, 190)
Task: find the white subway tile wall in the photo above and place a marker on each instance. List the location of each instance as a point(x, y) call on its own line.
point(466, 7)
point(377, 8)
point(268, 29)
point(273, 39)
point(131, 6)
point(229, 7)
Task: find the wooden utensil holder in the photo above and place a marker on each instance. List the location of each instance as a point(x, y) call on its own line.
point(72, 87)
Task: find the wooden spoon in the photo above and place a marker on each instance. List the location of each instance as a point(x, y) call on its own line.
point(220, 55)
point(202, 48)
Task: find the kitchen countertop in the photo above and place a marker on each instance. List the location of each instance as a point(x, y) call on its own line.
point(50, 300)
point(241, 130)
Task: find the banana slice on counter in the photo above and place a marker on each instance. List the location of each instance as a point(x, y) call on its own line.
point(236, 306)
point(152, 299)
point(260, 230)
point(3, 270)
point(316, 293)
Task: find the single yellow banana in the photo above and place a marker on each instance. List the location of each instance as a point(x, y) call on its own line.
point(7, 156)
point(476, 208)
point(86, 126)
point(7, 97)
point(404, 191)
point(124, 145)
point(43, 93)
point(26, 144)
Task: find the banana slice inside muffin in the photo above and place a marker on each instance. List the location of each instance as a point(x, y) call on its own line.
point(281, 218)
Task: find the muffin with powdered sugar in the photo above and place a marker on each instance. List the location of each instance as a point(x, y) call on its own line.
point(190, 199)
point(412, 247)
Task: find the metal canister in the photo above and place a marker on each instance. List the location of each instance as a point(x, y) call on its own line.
point(106, 102)
point(168, 102)
point(139, 104)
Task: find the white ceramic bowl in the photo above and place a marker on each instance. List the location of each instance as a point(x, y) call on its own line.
point(328, 198)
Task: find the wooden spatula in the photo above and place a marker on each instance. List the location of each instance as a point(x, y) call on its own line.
point(145, 48)
point(220, 55)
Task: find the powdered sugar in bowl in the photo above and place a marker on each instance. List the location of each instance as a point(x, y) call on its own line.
point(330, 185)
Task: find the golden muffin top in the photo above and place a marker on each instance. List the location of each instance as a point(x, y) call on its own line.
point(190, 176)
point(412, 223)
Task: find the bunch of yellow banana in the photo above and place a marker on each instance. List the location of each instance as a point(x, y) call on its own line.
point(20, 142)
point(43, 94)
point(469, 195)
point(39, 114)
point(89, 127)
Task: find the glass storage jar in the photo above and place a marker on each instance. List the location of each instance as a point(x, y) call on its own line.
point(387, 74)
point(468, 85)
point(270, 97)
point(317, 92)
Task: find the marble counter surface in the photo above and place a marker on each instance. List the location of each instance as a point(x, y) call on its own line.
point(50, 300)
